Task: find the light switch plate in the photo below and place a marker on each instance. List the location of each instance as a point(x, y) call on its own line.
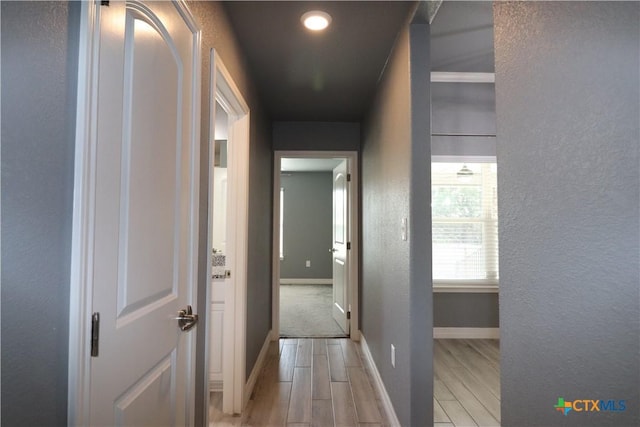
point(403, 229)
point(308, 263)
point(393, 355)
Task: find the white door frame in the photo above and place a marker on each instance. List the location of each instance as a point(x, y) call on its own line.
point(354, 233)
point(85, 160)
point(225, 92)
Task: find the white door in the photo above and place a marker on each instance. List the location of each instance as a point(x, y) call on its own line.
point(339, 249)
point(145, 222)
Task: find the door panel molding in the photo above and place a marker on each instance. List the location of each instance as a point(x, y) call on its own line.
point(353, 238)
point(160, 380)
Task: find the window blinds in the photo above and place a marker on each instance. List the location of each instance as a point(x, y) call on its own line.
point(464, 223)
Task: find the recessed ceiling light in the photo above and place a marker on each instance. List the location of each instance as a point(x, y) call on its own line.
point(316, 20)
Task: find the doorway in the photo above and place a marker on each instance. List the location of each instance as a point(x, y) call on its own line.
point(228, 167)
point(315, 244)
point(464, 206)
point(221, 260)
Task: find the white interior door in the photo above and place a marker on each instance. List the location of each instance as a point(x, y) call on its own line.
point(146, 215)
point(339, 249)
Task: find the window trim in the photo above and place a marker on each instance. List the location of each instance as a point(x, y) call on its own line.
point(463, 159)
point(281, 237)
point(466, 286)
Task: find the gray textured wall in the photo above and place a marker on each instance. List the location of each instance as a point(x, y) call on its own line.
point(385, 200)
point(391, 275)
point(319, 136)
point(465, 310)
point(568, 108)
point(463, 108)
point(308, 201)
point(217, 33)
point(420, 280)
point(39, 69)
point(458, 146)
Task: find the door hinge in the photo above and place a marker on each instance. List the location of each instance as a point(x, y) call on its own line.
point(104, 2)
point(348, 177)
point(348, 245)
point(95, 334)
point(348, 314)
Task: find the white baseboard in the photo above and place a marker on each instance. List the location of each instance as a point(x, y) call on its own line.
point(379, 385)
point(328, 281)
point(257, 368)
point(466, 333)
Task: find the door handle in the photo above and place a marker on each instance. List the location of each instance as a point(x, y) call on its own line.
point(186, 319)
point(332, 250)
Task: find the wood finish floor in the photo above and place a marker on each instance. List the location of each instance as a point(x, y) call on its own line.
point(466, 384)
point(325, 382)
point(310, 382)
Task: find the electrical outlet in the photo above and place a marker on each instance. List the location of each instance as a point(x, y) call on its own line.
point(308, 264)
point(393, 355)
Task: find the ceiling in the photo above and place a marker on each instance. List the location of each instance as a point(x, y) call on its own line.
point(462, 37)
point(327, 76)
point(332, 75)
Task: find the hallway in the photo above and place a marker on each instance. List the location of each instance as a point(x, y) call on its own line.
point(305, 311)
point(326, 382)
point(310, 382)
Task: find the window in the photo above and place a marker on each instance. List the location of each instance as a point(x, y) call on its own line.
point(464, 223)
point(281, 223)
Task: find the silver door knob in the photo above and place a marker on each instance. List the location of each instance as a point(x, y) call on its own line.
point(186, 319)
point(332, 250)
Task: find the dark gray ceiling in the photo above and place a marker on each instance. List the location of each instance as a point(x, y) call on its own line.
point(462, 37)
point(328, 76)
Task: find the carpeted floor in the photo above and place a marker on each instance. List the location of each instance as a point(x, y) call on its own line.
point(305, 311)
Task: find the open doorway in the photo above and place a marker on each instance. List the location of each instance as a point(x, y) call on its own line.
point(227, 245)
point(465, 229)
point(315, 244)
point(220, 259)
point(307, 282)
